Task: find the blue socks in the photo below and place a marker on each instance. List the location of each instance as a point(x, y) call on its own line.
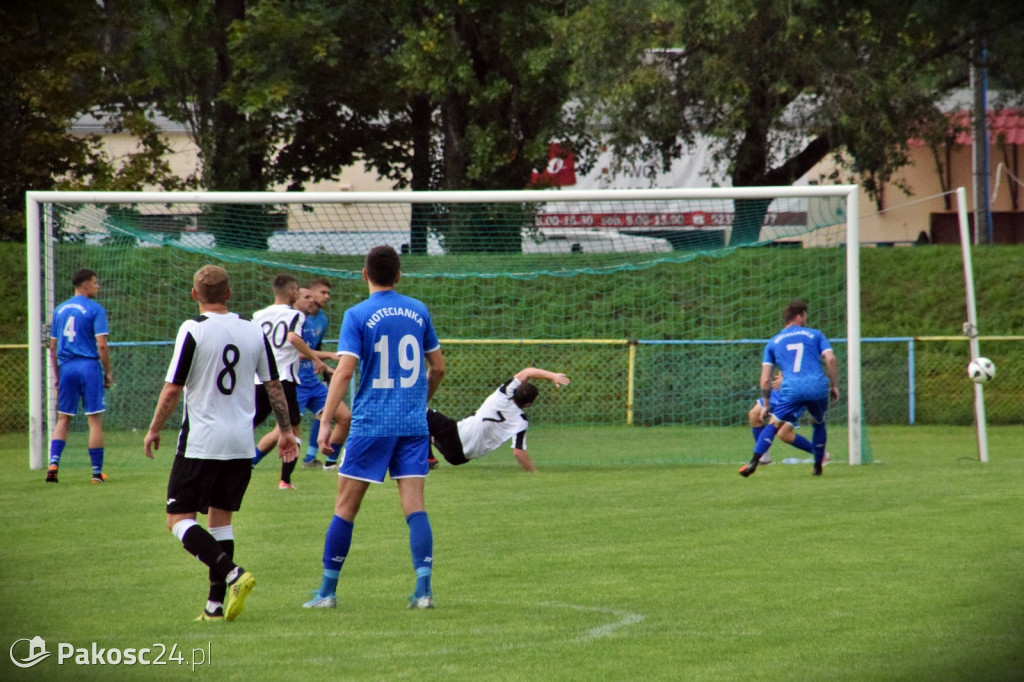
point(339, 541)
point(333, 459)
point(421, 545)
point(96, 456)
point(819, 437)
point(336, 547)
point(56, 450)
point(801, 443)
point(314, 433)
point(764, 441)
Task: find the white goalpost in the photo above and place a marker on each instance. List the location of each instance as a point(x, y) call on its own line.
point(597, 247)
point(971, 326)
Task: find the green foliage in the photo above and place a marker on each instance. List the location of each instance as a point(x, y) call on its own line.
point(54, 60)
point(626, 555)
point(778, 85)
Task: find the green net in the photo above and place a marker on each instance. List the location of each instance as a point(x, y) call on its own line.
point(656, 309)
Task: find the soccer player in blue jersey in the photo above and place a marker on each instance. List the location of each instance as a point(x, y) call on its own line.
point(312, 392)
point(392, 339)
point(81, 361)
point(811, 372)
point(787, 430)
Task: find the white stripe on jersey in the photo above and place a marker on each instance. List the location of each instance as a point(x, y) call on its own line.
point(216, 357)
point(276, 321)
point(497, 420)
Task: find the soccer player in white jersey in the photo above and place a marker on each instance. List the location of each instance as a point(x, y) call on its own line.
point(216, 359)
point(81, 362)
point(282, 325)
point(499, 418)
point(799, 352)
point(392, 339)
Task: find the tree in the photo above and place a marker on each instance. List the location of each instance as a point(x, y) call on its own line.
point(55, 57)
point(433, 95)
point(778, 84)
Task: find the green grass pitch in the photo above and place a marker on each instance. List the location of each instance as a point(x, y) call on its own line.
point(627, 557)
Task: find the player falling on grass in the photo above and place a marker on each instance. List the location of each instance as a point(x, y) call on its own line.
point(799, 352)
point(81, 361)
point(216, 359)
point(282, 325)
point(498, 419)
point(392, 339)
point(787, 430)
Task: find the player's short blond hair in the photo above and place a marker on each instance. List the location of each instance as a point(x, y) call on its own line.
point(212, 284)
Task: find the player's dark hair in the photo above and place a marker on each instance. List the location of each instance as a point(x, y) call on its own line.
point(212, 284)
point(318, 282)
point(282, 282)
point(795, 307)
point(81, 277)
point(525, 394)
point(383, 266)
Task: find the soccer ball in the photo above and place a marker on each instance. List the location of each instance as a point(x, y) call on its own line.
point(981, 370)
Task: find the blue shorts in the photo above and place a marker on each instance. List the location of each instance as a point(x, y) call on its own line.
point(791, 412)
point(367, 458)
point(312, 396)
point(796, 418)
point(80, 381)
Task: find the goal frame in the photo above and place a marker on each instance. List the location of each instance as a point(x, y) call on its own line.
point(39, 257)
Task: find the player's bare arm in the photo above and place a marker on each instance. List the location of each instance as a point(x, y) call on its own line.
point(170, 395)
point(103, 349)
point(307, 352)
point(288, 450)
point(766, 390)
point(557, 378)
point(832, 370)
point(524, 460)
point(435, 371)
point(335, 394)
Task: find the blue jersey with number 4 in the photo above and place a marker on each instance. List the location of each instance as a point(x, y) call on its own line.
point(76, 324)
point(390, 334)
point(797, 352)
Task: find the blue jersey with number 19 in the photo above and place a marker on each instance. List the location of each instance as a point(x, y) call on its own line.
point(797, 352)
point(390, 334)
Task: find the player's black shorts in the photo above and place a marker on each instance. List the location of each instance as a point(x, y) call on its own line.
point(197, 484)
point(444, 435)
point(264, 410)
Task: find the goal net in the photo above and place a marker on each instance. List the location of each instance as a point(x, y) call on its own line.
point(656, 303)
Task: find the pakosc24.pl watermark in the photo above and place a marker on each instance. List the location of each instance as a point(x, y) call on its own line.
point(26, 653)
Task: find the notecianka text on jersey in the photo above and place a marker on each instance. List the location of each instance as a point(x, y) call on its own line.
point(390, 311)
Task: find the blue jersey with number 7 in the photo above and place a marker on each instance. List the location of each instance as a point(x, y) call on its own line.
point(390, 334)
point(797, 352)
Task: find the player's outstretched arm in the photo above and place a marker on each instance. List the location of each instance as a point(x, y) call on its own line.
point(307, 352)
point(524, 460)
point(557, 378)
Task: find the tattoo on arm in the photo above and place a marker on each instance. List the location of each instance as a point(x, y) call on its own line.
point(279, 404)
